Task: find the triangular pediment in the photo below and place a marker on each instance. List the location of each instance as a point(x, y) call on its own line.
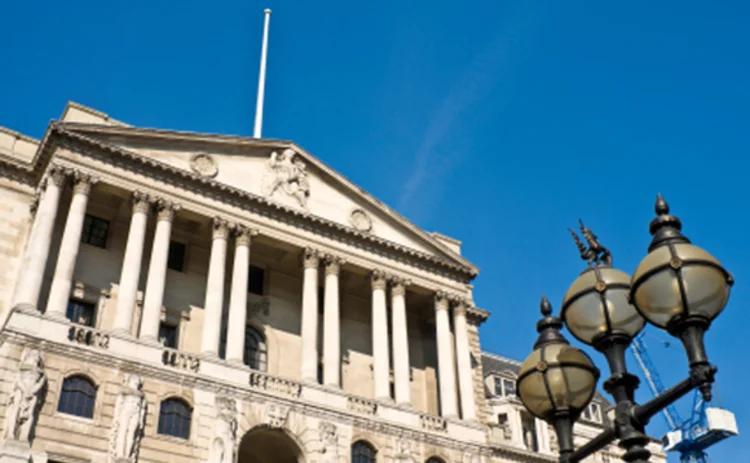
point(279, 171)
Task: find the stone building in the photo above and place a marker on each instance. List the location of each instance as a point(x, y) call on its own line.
point(171, 296)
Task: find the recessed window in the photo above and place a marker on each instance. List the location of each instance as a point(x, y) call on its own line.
point(80, 312)
point(592, 413)
point(77, 397)
point(505, 387)
point(95, 231)
point(175, 416)
point(256, 355)
point(168, 335)
point(255, 277)
point(176, 257)
point(363, 452)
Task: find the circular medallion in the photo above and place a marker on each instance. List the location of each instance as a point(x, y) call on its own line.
point(360, 220)
point(203, 164)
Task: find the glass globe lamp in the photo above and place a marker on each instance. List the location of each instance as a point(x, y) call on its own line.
point(677, 280)
point(557, 379)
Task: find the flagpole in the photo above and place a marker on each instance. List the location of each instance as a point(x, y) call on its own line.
point(262, 78)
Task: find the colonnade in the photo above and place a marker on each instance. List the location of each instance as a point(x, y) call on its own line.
point(454, 359)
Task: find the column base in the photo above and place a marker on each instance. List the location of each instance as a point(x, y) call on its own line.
point(209, 356)
point(237, 363)
point(14, 451)
point(151, 341)
point(26, 307)
point(122, 334)
point(57, 316)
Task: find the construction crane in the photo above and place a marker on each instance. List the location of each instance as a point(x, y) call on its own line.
point(690, 438)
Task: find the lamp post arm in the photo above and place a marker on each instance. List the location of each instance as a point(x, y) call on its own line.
point(599, 442)
point(699, 375)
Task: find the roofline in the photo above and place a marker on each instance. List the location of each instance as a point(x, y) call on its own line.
point(501, 358)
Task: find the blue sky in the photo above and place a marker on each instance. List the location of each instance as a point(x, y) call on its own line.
point(499, 123)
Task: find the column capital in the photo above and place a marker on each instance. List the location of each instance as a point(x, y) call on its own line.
point(165, 209)
point(57, 175)
point(310, 258)
point(441, 300)
point(82, 183)
point(333, 264)
point(399, 285)
point(378, 279)
point(243, 235)
point(221, 228)
point(460, 307)
point(141, 202)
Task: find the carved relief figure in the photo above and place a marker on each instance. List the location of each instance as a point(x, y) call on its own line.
point(23, 405)
point(329, 448)
point(129, 420)
point(404, 450)
point(289, 175)
point(225, 432)
point(276, 415)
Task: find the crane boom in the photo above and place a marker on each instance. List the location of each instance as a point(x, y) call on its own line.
point(654, 381)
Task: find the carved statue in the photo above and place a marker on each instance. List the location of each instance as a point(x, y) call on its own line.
point(553, 440)
point(528, 439)
point(225, 431)
point(595, 254)
point(129, 420)
point(329, 448)
point(23, 405)
point(289, 174)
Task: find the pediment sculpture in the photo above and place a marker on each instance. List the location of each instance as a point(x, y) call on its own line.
point(129, 420)
point(225, 431)
point(26, 396)
point(288, 175)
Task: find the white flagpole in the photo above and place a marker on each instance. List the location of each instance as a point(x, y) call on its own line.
point(262, 78)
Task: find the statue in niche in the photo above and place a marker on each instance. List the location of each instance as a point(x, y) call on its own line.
point(289, 175)
point(23, 405)
point(225, 431)
point(329, 449)
point(129, 420)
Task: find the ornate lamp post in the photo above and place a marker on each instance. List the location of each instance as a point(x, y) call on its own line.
point(677, 287)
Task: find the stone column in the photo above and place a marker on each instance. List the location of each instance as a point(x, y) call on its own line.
point(309, 357)
point(380, 359)
point(331, 326)
point(157, 272)
point(463, 361)
point(400, 333)
point(237, 322)
point(542, 436)
point(215, 289)
point(131, 265)
point(31, 276)
point(446, 371)
point(59, 293)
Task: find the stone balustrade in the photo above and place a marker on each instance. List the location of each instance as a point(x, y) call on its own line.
point(179, 359)
point(362, 405)
point(274, 384)
point(433, 423)
point(88, 336)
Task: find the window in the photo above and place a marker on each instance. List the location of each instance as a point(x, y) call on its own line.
point(168, 335)
point(176, 257)
point(174, 418)
point(504, 387)
point(256, 355)
point(80, 312)
point(95, 231)
point(362, 452)
point(435, 460)
point(593, 413)
point(255, 277)
point(77, 397)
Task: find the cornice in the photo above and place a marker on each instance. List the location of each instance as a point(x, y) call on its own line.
point(253, 203)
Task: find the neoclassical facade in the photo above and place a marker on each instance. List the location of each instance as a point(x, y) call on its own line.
point(171, 296)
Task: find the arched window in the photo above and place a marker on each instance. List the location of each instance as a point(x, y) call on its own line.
point(435, 460)
point(77, 397)
point(174, 418)
point(363, 452)
point(256, 355)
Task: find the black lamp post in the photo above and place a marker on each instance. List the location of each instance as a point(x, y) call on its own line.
point(677, 287)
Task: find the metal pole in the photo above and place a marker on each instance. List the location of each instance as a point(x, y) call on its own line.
point(262, 79)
